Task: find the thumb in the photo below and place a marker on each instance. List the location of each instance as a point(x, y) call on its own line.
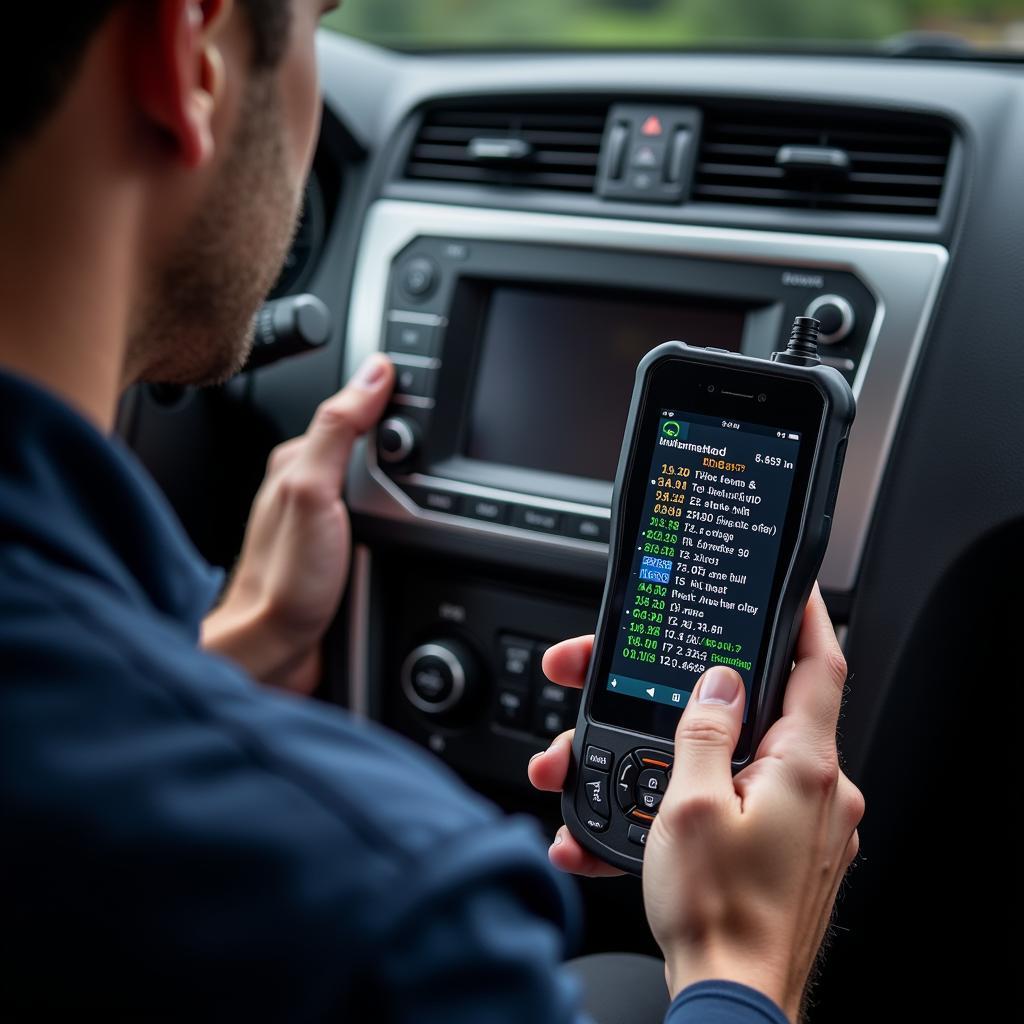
point(706, 736)
point(345, 416)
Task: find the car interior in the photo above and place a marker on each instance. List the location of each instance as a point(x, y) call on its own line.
point(516, 220)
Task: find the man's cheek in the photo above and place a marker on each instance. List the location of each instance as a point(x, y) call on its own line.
point(302, 100)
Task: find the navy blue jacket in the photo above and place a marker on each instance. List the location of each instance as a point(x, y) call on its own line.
point(181, 843)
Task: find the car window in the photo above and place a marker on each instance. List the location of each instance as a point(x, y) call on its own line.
point(980, 25)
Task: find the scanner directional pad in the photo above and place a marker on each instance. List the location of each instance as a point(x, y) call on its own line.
point(641, 782)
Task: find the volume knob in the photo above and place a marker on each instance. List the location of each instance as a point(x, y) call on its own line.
point(836, 317)
point(397, 439)
point(438, 676)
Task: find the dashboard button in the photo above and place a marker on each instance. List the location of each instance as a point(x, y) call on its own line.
point(431, 680)
point(554, 696)
point(412, 339)
point(515, 658)
point(552, 721)
point(592, 528)
point(535, 518)
point(414, 380)
point(598, 759)
point(637, 835)
point(485, 509)
point(595, 787)
point(436, 501)
point(513, 708)
point(419, 277)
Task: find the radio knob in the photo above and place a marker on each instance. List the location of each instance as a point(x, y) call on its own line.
point(439, 676)
point(397, 439)
point(835, 314)
point(419, 277)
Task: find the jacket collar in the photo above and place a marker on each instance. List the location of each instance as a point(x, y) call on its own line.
point(80, 501)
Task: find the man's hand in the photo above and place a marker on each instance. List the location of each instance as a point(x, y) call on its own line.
point(295, 557)
point(740, 874)
point(566, 664)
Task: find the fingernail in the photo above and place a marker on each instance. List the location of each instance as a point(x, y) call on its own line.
point(720, 685)
point(557, 841)
point(535, 756)
point(372, 372)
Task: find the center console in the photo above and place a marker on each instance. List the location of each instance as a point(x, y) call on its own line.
point(515, 337)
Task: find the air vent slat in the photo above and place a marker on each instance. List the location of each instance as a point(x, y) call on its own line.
point(564, 147)
point(897, 164)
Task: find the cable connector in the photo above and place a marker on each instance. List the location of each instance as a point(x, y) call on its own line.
point(802, 349)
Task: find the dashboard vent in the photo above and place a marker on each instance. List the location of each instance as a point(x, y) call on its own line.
point(543, 147)
point(859, 162)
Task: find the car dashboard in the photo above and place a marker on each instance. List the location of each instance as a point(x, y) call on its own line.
point(516, 230)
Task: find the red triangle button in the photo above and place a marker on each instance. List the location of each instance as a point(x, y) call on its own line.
point(652, 126)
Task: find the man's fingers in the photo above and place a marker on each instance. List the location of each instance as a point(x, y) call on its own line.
point(567, 854)
point(566, 663)
point(814, 692)
point(705, 740)
point(547, 770)
point(343, 417)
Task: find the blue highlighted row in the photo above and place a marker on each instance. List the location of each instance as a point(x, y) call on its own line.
point(648, 691)
point(657, 570)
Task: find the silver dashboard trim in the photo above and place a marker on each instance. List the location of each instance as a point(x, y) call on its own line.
point(497, 494)
point(415, 401)
point(359, 632)
point(407, 316)
point(403, 359)
point(904, 278)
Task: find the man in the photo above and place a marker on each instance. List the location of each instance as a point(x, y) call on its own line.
point(181, 842)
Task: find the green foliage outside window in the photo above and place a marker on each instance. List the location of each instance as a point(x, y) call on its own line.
point(986, 24)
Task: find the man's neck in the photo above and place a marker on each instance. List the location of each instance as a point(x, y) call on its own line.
point(66, 274)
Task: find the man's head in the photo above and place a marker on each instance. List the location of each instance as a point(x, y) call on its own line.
point(202, 116)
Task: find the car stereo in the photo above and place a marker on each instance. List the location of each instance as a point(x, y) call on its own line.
point(515, 361)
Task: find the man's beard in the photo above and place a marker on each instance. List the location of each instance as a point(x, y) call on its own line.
point(197, 325)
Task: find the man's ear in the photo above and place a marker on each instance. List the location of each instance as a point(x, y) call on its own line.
point(178, 71)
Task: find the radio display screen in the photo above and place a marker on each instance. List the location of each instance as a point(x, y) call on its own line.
point(555, 372)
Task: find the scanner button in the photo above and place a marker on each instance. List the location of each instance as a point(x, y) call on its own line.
point(624, 782)
point(637, 835)
point(651, 782)
point(594, 821)
point(598, 759)
point(647, 800)
point(595, 786)
point(650, 758)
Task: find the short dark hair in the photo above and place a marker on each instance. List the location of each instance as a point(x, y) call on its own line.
point(51, 39)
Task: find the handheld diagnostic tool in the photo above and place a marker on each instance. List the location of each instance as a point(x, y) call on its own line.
point(723, 501)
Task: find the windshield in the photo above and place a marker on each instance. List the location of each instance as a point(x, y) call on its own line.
point(986, 25)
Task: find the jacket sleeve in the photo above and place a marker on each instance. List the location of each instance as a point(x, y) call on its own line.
point(482, 939)
point(723, 1002)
